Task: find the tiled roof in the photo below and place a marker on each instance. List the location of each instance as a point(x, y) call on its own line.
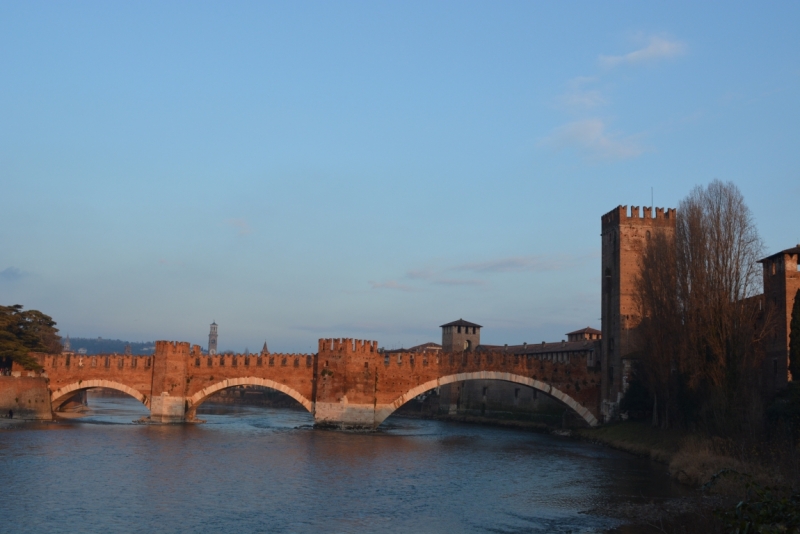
point(587, 330)
point(793, 250)
point(461, 322)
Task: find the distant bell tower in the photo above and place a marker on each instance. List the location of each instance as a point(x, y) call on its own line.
point(212, 339)
point(460, 335)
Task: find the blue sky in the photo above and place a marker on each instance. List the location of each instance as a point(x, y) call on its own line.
point(296, 170)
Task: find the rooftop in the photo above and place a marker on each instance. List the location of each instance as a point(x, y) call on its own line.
point(534, 348)
point(461, 322)
point(587, 330)
point(793, 250)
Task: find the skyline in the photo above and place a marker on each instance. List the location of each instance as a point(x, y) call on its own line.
point(369, 171)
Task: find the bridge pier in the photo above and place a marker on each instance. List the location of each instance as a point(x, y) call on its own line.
point(166, 408)
point(344, 415)
point(170, 370)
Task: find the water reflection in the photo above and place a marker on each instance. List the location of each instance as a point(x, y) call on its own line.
point(252, 469)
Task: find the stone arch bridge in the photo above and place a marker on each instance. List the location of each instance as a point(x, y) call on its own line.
point(347, 384)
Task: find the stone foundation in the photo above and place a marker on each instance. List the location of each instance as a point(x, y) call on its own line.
point(28, 398)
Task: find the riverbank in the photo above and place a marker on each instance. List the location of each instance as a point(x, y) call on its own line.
point(694, 460)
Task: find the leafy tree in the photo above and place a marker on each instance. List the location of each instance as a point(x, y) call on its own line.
point(23, 332)
point(794, 339)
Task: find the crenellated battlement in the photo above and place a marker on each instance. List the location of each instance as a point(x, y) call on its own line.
point(641, 216)
point(347, 346)
point(172, 347)
point(66, 362)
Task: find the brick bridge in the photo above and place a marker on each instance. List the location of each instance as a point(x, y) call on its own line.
point(347, 384)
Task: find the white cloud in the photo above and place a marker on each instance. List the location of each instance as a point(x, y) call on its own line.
point(658, 48)
point(590, 136)
point(242, 228)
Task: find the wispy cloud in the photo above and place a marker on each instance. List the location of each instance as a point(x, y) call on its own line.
point(591, 137)
point(392, 284)
point(656, 49)
point(578, 97)
point(437, 277)
point(458, 282)
point(520, 264)
point(12, 274)
point(241, 226)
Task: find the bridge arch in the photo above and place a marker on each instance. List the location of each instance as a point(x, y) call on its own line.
point(59, 395)
point(385, 411)
point(198, 398)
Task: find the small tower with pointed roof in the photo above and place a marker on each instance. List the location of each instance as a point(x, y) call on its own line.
point(264, 349)
point(212, 339)
point(460, 335)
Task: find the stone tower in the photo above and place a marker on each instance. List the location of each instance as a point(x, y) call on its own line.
point(460, 335)
point(624, 237)
point(212, 339)
point(781, 282)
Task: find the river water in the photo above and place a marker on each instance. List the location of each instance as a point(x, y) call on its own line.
point(252, 469)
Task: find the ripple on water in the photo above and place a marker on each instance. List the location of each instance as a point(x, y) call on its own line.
point(254, 469)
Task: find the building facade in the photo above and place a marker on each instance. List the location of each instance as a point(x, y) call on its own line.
point(781, 283)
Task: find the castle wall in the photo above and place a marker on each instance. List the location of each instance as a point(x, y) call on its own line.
point(27, 397)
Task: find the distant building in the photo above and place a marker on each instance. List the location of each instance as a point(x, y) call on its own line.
point(212, 339)
point(584, 333)
point(67, 347)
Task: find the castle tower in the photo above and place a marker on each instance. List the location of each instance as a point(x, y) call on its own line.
point(67, 346)
point(212, 339)
point(460, 335)
point(781, 282)
point(264, 349)
point(624, 238)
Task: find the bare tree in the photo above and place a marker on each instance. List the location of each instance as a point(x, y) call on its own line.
point(660, 332)
point(702, 328)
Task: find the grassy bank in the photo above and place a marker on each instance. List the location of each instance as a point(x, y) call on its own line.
point(695, 460)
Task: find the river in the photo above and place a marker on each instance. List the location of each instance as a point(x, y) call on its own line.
point(253, 469)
